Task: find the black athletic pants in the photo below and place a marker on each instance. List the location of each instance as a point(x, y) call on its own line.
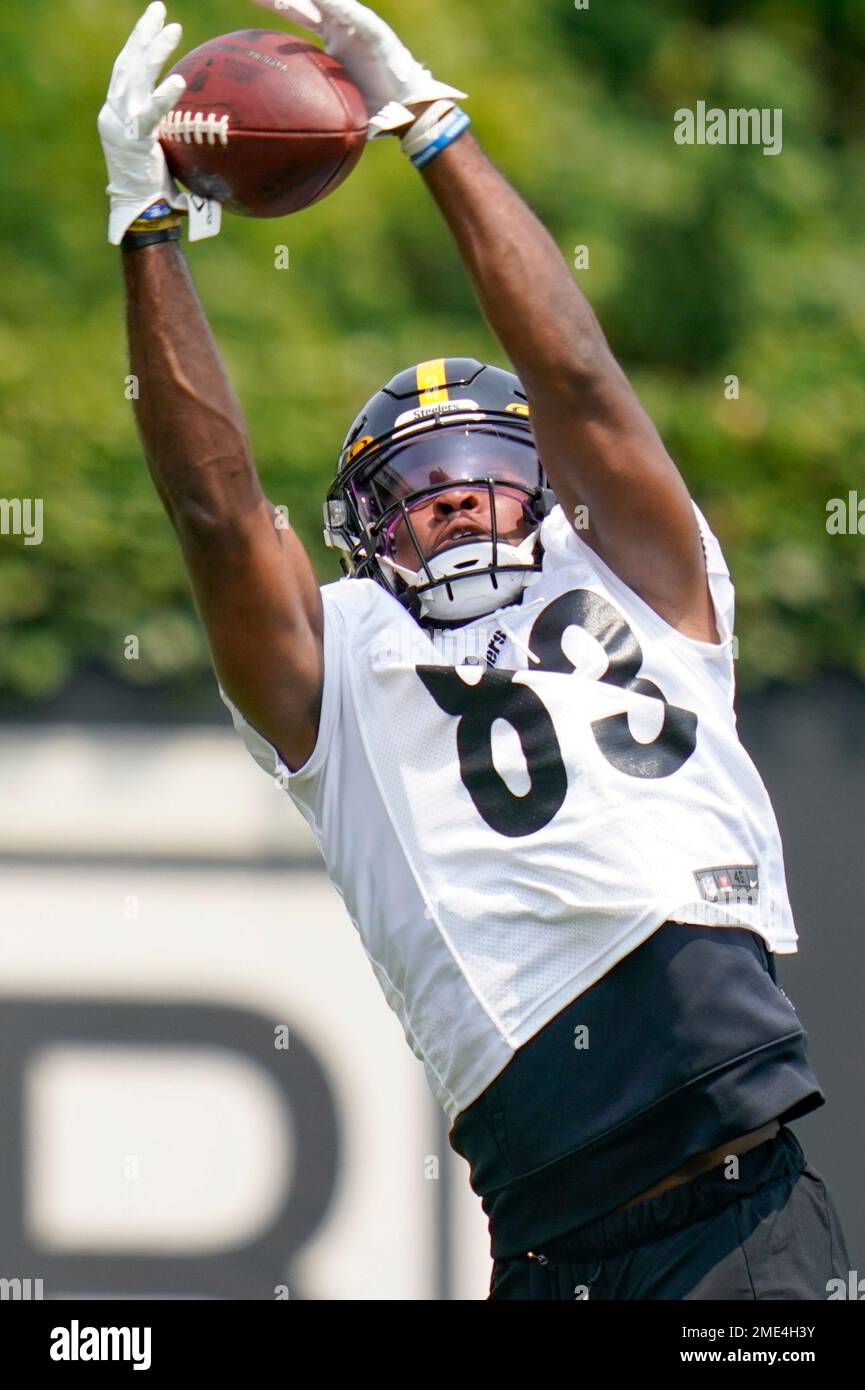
point(772, 1232)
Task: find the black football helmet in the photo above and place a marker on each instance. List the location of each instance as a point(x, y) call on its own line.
point(444, 426)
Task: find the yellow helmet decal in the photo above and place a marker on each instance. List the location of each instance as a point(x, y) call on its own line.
point(431, 378)
point(358, 445)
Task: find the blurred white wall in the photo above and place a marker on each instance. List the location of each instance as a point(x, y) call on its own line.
point(163, 868)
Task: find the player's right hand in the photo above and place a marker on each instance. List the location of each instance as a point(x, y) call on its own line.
point(127, 124)
point(390, 79)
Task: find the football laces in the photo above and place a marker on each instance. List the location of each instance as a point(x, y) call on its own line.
point(194, 125)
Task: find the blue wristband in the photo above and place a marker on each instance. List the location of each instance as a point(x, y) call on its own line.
point(442, 135)
point(160, 209)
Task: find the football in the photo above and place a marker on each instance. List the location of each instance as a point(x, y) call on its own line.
point(267, 125)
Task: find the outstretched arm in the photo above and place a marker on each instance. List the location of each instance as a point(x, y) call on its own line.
point(253, 582)
point(597, 444)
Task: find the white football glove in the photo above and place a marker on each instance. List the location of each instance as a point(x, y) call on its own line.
point(390, 80)
point(137, 171)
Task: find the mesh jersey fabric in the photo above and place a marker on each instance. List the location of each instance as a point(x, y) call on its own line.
point(688, 1043)
point(510, 809)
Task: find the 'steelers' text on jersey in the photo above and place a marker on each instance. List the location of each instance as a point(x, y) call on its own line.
point(509, 808)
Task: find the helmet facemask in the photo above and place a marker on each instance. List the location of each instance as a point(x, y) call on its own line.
point(410, 499)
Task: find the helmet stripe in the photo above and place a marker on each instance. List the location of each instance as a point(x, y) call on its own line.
point(431, 381)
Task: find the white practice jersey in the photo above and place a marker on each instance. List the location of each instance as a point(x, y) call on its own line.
point(509, 808)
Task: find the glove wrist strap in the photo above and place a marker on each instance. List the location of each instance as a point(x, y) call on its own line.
point(133, 241)
point(433, 131)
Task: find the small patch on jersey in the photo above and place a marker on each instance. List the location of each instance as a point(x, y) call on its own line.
point(731, 883)
point(497, 641)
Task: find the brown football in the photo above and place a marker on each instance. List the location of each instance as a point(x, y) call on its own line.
point(267, 124)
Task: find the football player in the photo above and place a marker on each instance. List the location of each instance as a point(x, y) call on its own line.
point(510, 727)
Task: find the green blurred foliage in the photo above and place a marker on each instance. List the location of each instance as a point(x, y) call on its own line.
point(705, 262)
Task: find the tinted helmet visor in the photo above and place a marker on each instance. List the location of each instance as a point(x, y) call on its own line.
point(445, 457)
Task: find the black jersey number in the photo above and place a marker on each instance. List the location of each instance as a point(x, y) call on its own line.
point(495, 696)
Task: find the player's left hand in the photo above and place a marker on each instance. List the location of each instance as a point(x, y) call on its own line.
point(381, 67)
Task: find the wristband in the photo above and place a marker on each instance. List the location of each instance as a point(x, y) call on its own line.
point(152, 224)
point(155, 218)
point(433, 131)
point(160, 208)
point(133, 241)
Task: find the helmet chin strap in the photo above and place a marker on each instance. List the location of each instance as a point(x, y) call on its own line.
point(472, 592)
